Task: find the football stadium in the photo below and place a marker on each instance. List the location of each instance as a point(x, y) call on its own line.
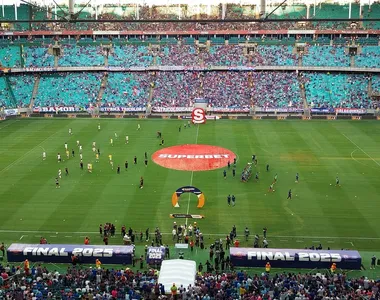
point(182, 149)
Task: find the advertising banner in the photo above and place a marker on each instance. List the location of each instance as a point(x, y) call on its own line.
point(122, 109)
point(53, 109)
point(322, 110)
point(155, 255)
point(279, 110)
point(350, 111)
point(61, 253)
point(295, 258)
point(11, 112)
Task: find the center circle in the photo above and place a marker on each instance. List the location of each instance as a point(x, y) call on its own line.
point(193, 157)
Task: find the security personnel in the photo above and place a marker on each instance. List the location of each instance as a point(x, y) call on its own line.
point(97, 263)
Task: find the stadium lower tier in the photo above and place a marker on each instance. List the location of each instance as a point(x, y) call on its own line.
point(227, 89)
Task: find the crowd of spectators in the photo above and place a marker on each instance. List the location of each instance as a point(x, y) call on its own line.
point(127, 89)
point(182, 54)
point(101, 283)
point(175, 89)
point(68, 89)
point(326, 90)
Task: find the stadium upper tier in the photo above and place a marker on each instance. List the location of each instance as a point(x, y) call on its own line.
point(190, 11)
point(213, 54)
point(223, 89)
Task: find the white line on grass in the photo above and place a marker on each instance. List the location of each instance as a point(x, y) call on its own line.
point(209, 234)
point(21, 237)
point(361, 149)
point(26, 154)
point(191, 177)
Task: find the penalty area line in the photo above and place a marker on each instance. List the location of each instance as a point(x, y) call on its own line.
point(357, 146)
point(191, 177)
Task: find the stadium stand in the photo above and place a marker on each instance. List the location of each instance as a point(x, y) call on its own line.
point(38, 56)
point(320, 56)
point(175, 55)
point(369, 58)
point(10, 56)
point(225, 56)
point(81, 56)
point(78, 89)
point(337, 90)
point(274, 56)
point(175, 89)
point(131, 56)
point(129, 89)
point(5, 99)
point(22, 88)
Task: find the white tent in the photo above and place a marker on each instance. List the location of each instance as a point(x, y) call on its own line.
point(178, 271)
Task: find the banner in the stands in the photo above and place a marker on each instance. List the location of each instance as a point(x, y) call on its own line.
point(155, 255)
point(322, 110)
point(11, 112)
point(295, 258)
point(351, 111)
point(54, 109)
point(62, 253)
point(279, 110)
point(122, 109)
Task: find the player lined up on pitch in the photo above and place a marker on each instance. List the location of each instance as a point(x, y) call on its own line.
point(96, 152)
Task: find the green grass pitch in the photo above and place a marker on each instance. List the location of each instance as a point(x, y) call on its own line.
point(337, 217)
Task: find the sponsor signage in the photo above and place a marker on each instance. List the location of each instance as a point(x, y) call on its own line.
point(295, 258)
point(350, 111)
point(198, 116)
point(122, 109)
point(11, 112)
point(186, 216)
point(193, 157)
point(279, 110)
point(155, 255)
point(61, 253)
point(322, 110)
point(52, 109)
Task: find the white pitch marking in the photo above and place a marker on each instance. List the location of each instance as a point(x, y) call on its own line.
point(331, 242)
point(361, 149)
point(283, 240)
point(299, 241)
point(191, 178)
point(26, 154)
point(21, 237)
point(316, 241)
point(53, 236)
point(68, 236)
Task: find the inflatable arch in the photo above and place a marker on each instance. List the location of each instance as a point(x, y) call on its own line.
point(188, 189)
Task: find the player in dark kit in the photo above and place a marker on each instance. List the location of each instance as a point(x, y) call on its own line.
point(253, 157)
point(146, 162)
point(224, 174)
point(162, 142)
point(57, 186)
point(297, 177)
point(267, 167)
point(337, 181)
point(233, 200)
point(126, 165)
point(179, 128)
point(81, 165)
point(67, 171)
point(229, 164)
point(159, 135)
point(233, 172)
point(72, 153)
point(289, 195)
point(235, 161)
point(146, 155)
point(118, 169)
point(229, 200)
point(141, 182)
point(257, 176)
point(135, 160)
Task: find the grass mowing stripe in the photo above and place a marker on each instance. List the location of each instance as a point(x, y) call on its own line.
point(191, 177)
